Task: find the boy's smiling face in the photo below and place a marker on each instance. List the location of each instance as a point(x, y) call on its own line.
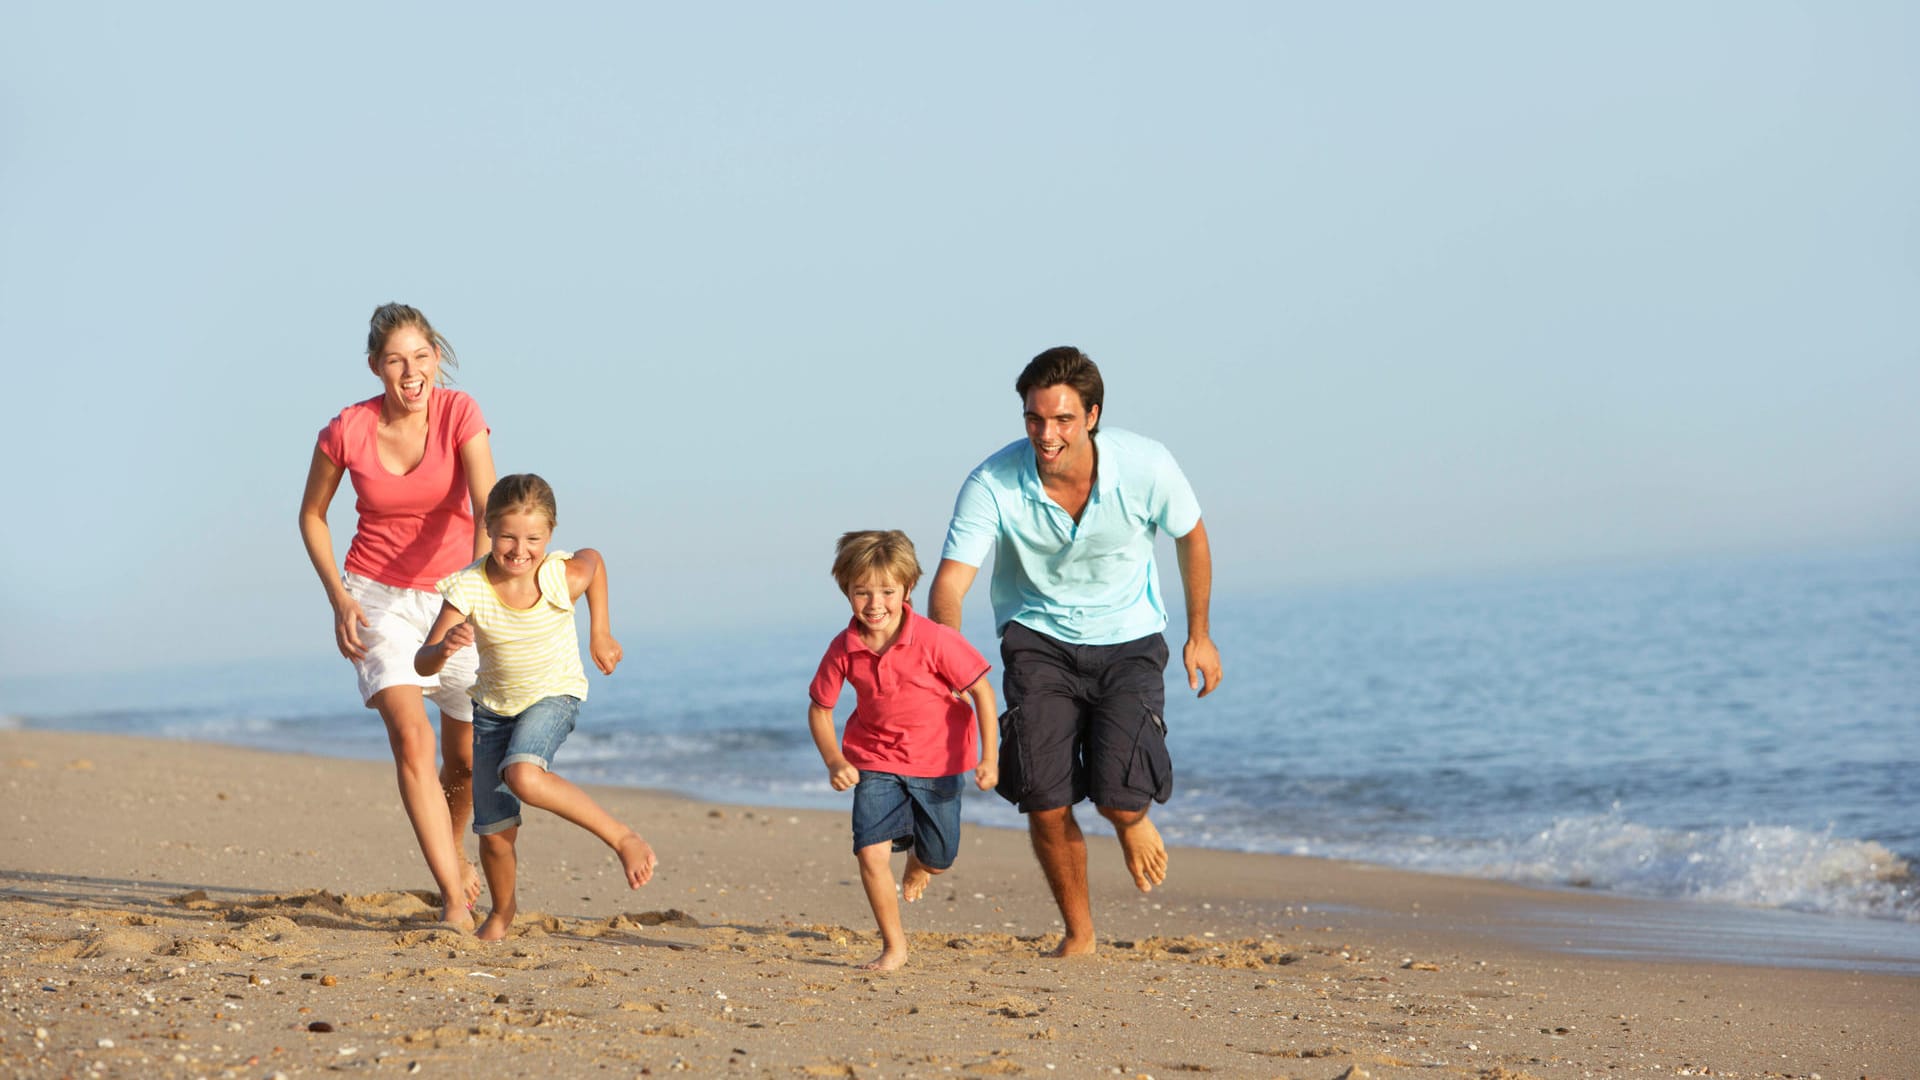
point(879, 603)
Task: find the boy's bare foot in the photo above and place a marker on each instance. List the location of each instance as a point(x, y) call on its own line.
point(913, 880)
point(889, 959)
point(457, 917)
point(496, 927)
point(1146, 853)
point(1073, 947)
point(636, 857)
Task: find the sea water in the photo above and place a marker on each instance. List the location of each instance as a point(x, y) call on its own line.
point(1728, 731)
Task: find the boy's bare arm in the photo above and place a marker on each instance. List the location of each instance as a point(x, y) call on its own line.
point(986, 711)
point(587, 566)
point(450, 633)
point(841, 773)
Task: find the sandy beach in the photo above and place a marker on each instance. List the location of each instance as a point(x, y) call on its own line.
point(174, 909)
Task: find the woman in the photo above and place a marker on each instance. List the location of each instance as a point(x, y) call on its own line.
point(421, 467)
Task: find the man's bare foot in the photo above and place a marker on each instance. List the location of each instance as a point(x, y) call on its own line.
point(496, 927)
point(636, 857)
point(1073, 947)
point(458, 916)
point(1146, 853)
point(889, 959)
point(913, 880)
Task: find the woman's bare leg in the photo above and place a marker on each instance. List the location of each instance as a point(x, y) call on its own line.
point(410, 735)
point(456, 779)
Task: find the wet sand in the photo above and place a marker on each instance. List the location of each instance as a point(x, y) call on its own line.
point(183, 910)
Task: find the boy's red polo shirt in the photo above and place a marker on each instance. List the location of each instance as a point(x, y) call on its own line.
point(905, 719)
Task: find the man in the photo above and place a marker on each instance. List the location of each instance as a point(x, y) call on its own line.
point(1069, 514)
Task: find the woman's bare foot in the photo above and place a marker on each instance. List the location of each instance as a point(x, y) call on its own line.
point(913, 883)
point(636, 857)
point(889, 959)
point(1146, 853)
point(496, 927)
point(458, 916)
point(470, 881)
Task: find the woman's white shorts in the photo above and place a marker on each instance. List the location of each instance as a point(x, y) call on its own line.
point(398, 621)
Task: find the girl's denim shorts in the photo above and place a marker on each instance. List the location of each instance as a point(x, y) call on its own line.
point(534, 736)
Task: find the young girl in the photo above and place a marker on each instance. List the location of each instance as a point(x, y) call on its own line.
point(516, 607)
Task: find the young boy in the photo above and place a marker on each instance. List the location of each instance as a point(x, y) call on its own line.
point(910, 739)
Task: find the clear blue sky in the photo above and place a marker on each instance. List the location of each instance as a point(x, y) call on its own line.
point(1409, 289)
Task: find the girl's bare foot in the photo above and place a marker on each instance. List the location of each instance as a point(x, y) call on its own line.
point(496, 927)
point(1146, 853)
point(1071, 947)
point(913, 883)
point(889, 959)
point(636, 857)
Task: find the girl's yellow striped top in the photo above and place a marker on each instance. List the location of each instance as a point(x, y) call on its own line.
point(524, 655)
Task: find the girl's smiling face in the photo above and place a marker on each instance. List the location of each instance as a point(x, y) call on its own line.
point(408, 366)
point(519, 542)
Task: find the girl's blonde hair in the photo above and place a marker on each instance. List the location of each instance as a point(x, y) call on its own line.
point(519, 494)
point(388, 318)
point(870, 551)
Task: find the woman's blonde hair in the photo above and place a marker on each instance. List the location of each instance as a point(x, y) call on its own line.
point(869, 551)
point(388, 318)
point(519, 494)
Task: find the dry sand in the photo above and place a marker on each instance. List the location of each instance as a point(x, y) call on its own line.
point(173, 909)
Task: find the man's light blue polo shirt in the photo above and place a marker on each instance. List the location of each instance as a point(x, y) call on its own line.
point(1086, 583)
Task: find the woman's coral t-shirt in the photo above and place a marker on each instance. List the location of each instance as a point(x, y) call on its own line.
point(417, 528)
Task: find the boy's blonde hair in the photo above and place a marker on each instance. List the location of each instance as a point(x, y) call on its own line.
point(519, 494)
point(868, 551)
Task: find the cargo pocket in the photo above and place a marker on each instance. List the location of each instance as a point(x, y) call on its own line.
point(1150, 770)
point(1013, 777)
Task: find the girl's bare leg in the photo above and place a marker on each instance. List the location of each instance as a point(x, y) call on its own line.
point(876, 876)
point(557, 795)
point(456, 779)
point(499, 860)
point(410, 735)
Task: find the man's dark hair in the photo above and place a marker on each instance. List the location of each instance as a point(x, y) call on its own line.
point(1064, 364)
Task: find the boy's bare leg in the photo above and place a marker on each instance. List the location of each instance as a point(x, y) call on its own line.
point(876, 875)
point(914, 879)
point(456, 779)
point(410, 735)
point(1062, 850)
point(502, 864)
point(557, 795)
point(1140, 842)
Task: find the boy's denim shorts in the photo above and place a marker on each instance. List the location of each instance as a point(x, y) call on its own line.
point(917, 812)
point(534, 736)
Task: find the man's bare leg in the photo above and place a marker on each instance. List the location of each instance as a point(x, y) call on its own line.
point(1062, 850)
point(1140, 842)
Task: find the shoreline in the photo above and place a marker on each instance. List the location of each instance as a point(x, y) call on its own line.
point(1625, 924)
point(199, 884)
